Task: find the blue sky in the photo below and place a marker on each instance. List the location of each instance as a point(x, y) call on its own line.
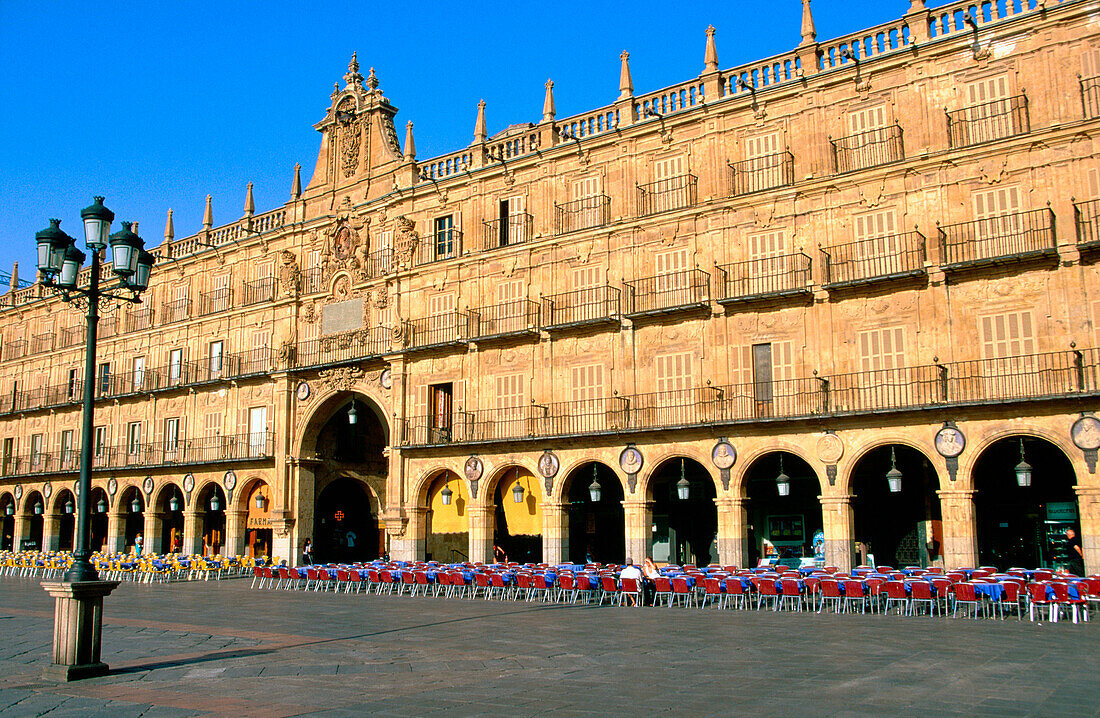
point(157, 104)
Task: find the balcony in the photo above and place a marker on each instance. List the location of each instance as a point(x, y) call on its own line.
point(439, 246)
point(257, 292)
point(667, 195)
point(517, 318)
point(108, 325)
point(219, 300)
point(175, 311)
point(1086, 217)
point(584, 213)
point(1069, 375)
point(1090, 97)
point(342, 348)
point(71, 337)
point(868, 149)
point(582, 307)
point(504, 232)
point(42, 343)
point(139, 318)
point(311, 281)
point(761, 173)
point(380, 262)
point(667, 293)
point(441, 330)
point(1008, 239)
point(765, 279)
point(876, 260)
point(15, 349)
point(988, 122)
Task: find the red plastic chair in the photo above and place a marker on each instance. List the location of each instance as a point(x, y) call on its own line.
point(712, 589)
point(540, 588)
point(257, 575)
point(767, 593)
point(294, 577)
point(631, 590)
point(567, 585)
point(421, 583)
point(682, 591)
point(522, 586)
point(1037, 598)
point(1011, 599)
point(853, 593)
point(1078, 606)
point(587, 586)
point(610, 590)
point(830, 594)
point(896, 595)
point(921, 594)
point(966, 596)
point(663, 590)
point(735, 591)
point(482, 585)
point(342, 576)
point(792, 593)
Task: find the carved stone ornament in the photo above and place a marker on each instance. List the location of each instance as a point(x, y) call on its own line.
point(829, 449)
point(949, 442)
point(473, 469)
point(189, 483)
point(631, 460)
point(147, 485)
point(289, 274)
point(76, 488)
point(548, 464)
point(229, 480)
point(47, 490)
point(1086, 433)
point(723, 455)
point(405, 242)
point(302, 392)
point(386, 378)
point(287, 352)
point(18, 491)
point(341, 378)
point(112, 486)
point(283, 528)
point(351, 136)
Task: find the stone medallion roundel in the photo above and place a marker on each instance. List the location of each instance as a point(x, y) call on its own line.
point(830, 448)
point(189, 483)
point(1086, 433)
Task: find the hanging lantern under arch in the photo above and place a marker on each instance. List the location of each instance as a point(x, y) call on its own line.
point(782, 481)
point(446, 495)
point(893, 476)
point(1023, 469)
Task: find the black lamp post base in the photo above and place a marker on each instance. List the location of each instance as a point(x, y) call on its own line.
point(77, 628)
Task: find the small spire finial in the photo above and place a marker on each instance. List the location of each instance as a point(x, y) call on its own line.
point(480, 133)
point(208, 215)
point(548, 111)
point(809, 32)
point(135, 225)
point(15, 276)
point(710, 57)
point(249, 204)
point(372, 80)
point(169, 228)
point(296, 188)
point(410, 146)
point(916, 5)
point(626, 85)
point(352, 76)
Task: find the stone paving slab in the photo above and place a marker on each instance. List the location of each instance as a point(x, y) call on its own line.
point(219, 648)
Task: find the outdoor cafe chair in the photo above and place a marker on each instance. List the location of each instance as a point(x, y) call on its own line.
point(831, 595)
point(541, 588)
point(967, 597)
point(1037, 599)
point(609, 589)
point(521, 586)
point(342, 577)
point(681, 590)
point(1076, 606)
point(422, 584)
point(791, 594)
point(1010, 600)
point(663, 590)
point(567, 584)
point(735, 591)
point(921, 595)
point(481, 586)
point(497, 587)
point(854, 593)
point(766, 593)
point(896, 595)
point(632, 590)
point(257, 575)
point(712, 588)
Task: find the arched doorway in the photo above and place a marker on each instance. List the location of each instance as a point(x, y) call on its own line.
point(100, 505)
point(257, 523)
point(64, 508)
point(212, 505)
point(897, 527)
point(33, 513)
point(685, 517)
point(131, 510)
point(169, 508)
point(1022, 525)
point(7, 517)
point(345, 529)
point(597, 527)
point(447, 521)
point(517, 526)
point(784, 524)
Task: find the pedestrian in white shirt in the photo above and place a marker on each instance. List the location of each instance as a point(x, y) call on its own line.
point(632, 571)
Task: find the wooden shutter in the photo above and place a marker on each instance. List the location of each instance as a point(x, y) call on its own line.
point(867, 119)
point(882, 349)
point(673, 372)
point(587, 187)
point(510, 291)
point(668, 167)
point(996, 202)
point(987, 90)
point(761, 145)
point(1008, 334)
point(587, 382)
point(509, 391)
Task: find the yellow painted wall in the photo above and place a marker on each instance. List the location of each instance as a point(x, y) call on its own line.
point(523, 519)
point(453, 518)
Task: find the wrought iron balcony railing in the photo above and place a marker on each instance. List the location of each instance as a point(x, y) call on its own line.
point(310, 281)
point(175, 311)
point(761, 173)
point(219, 300)
point(998, 240)
point(341, 348)
point(71, 337)
point(1090, 97)
point(1087, 218)
point(582, 213)
point(15, 349)
point(510, 319)
point(447, 329)
point(868, 149)
point(42, 343)
point(108, 326)
point(667, 194)
point(380, 262)
point(667, 293)
point(139, 318)
point(767, 278)
point(440, 245)
point(988, 122)
point(879, 259)
point(506, 231)
point(1055, 375)
point(258, 291)
point(580, 307)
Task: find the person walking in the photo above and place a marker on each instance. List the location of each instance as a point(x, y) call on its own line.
point(307, 552)
point(139, 544)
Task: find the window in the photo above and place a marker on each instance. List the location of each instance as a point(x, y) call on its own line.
point(586, 204)
point(171, 434)
point(586, 277)
point(212, 425)
point(1007, 335)
point(997, 211)
point(671, 271)
point(882, 349)
point(133, 437)
point(104, 378)
point(9, 455)
point(512, 225)
point(101, 439)
point(73, 384)
point(987, 90)
point(381, 260)
point(883, 249)
point(510, 291)
point(175, 366)
point(509, 391)
point(441, 397)
point(442, 321)
point(214, 355)
point(673, 372)
point(138, 373)
point(762, 145)
point(867, 119)
point(67, 454)
point(587, 382)
point(443, 232)
point(771, 366)
point(257, 431)
point(36, 450)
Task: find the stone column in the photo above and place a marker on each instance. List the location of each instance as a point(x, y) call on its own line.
point(407, 535)
point(839, 529)
point(51, 537)
point(235, 531)
point(481, 520)
point(1088, 506)
point(733, 535)
point(555, 533)
point(116, 524)
point(77, 628)
point(20, 528)
point(960, 535)
point(638, 517)
point(151, 530)
point(192, 532)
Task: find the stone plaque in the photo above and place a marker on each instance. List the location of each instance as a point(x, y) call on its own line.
point(342, 317)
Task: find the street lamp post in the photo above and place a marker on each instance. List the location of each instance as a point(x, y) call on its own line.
point(79, 594)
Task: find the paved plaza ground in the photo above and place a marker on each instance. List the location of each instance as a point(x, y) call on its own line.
point(221, 649)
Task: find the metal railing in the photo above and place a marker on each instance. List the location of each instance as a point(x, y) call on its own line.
point(1090, 97)
point(995, 239)
point(506, 231)
point(435, 331)
point(175, 311)
point(219, 300)
point(380, 262)
point(41, 343)
point(582, 213)
point(139, 318)
point(71, 337)
point(764, 278)
point(15, 349)
point(517, 317)
point(868, 149)
point(988, 121)
point(875, 259)
point(667, 194)
point(341, 348)
point(761, 173)
point(258, 291)
point(440, 245)
point(666, 292)
point(581, 306)
point(1055, 375)
point(108, 326)
point(311, 281)
point(1086, 216)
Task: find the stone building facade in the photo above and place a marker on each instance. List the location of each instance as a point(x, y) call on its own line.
point(711, 323)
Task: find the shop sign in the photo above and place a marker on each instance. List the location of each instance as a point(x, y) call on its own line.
point(1061, 511)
